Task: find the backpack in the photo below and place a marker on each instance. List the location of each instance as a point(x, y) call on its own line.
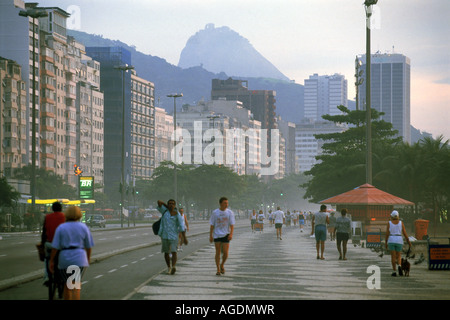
point(157, 225)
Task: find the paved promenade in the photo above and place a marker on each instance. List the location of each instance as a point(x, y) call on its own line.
point(260, 267)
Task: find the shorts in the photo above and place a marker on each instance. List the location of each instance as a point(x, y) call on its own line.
point(278, 225)
point(169, 246)
point(73, 273)
point(223, 239)
point(302, 221)
point(342, 236)
point(320, 232)
point(395, 247)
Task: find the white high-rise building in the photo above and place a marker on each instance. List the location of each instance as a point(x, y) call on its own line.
point(163, 134)
point(307, 147)
point(390, 75)
point(323, 94)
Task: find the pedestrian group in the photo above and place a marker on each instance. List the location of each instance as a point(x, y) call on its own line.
point(68, 242)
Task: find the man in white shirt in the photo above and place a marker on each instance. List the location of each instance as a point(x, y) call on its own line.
point(221, 232)
point(279, 219)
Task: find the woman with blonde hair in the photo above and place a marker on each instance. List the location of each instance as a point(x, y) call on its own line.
point(74, 241)
point(394, 241)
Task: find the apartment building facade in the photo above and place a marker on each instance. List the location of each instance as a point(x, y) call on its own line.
point(307, 147)
point(71, 103)
point(142, 127)
point(163, 134)
point(19, 36)
point(261, 103)
point(68, 100)
point(13, 120)
point(232, 122)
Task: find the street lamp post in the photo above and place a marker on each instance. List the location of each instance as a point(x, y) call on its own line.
point(368, 7)
point(123, 68)
point(175, 96)
point(34, 13)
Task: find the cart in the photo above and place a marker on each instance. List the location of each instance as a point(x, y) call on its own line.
point(373, 239)
point(357, 233)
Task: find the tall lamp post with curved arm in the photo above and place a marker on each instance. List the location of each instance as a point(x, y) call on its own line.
point(175, 96)
point(123, 68)
point(368, 7)
point(33, 13)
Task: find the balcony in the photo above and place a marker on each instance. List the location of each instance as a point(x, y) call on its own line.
point(45, 156)
point(47, 100)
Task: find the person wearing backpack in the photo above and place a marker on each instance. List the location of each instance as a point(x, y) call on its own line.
point(171, 225)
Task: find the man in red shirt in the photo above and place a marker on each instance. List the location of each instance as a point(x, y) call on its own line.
point(51, 222)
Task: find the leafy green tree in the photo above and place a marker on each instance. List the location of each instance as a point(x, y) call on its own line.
point(287, 192)
point(251, 195)
point(213, 182)
point(201, 186)
point(343, 158)
point(436, 167)
point(398, 170)
point(8, 195)
point(161, 186)
point(48, 184)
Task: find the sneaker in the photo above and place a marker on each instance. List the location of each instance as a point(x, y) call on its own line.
point(173, 270)
point(394, 274)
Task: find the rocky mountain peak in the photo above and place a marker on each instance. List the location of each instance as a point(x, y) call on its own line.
point(220, 49)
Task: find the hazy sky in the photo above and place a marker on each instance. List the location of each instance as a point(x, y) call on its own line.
point(299, 37)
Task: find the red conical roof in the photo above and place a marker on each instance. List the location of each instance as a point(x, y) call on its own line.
point(367, 194)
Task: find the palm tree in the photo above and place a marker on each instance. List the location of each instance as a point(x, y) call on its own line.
point(436, 162)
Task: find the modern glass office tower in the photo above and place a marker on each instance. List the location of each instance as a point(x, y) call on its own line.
point(130, 97)
point(390, 90)
point(115, 103)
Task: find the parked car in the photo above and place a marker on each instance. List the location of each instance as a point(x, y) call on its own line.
point(152, 215)
point(96, 220)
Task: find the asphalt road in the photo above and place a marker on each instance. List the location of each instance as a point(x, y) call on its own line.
point(19, 261)
point(111, 278)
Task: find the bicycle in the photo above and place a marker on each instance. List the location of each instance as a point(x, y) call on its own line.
point(55, 281)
